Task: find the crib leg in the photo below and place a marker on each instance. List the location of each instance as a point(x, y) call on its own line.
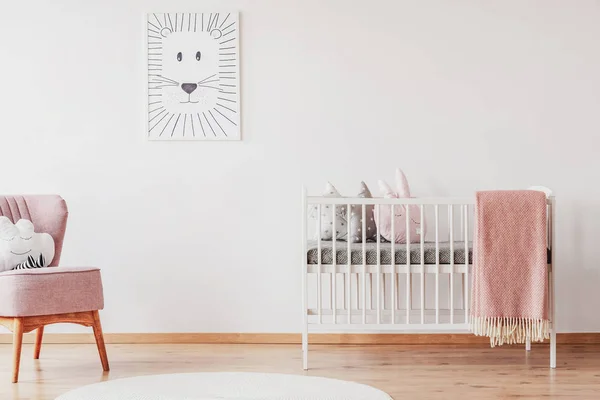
point(552, 321)
point(305, 282)
point(551, 288)
point(528, 344)
point(553, 349)
point(305, 348)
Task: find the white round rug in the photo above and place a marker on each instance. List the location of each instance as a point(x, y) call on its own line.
point(226, 385)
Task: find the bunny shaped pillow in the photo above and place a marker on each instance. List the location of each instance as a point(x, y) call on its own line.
point(383, 218)
point(22, 248)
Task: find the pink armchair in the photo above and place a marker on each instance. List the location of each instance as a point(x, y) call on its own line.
point(32, 299)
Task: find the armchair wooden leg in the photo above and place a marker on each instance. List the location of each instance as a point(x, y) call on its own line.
point(39, 334)
point(17, 344)
point(100, 341)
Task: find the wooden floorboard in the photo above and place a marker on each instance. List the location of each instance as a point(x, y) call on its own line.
point(287, 338)
point(405, 372)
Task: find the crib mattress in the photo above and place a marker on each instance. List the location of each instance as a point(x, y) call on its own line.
point(386, 253)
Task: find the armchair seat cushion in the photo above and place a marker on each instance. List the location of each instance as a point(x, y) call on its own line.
point(48, 291)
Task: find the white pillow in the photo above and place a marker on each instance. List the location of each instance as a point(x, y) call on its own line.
point(356, 218)
point(341, 219)
point(327, 217)
point(19, 245)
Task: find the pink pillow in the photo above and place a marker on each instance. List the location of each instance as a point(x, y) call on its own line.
point(383, 217)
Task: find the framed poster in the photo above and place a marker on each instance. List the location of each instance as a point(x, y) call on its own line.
point(193, 76)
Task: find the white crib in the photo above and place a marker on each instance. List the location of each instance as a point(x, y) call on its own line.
point(421, 294)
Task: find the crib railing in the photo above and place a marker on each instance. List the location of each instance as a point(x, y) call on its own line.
point(372, 296)
point(375, 290)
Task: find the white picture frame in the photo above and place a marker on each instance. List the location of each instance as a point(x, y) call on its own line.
point(193, 76)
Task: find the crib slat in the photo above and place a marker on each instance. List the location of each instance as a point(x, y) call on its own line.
point(437, 264)
point(363, 216)
point(333, 278)
point(398, 299)
point(422, 266)
point(319, 288)
point(357, 291)
point(377, 214)
point(462, 221)
point(466, 274)
point(451, 233)
point(370, 298)
point(408, 274)
point(393, 261)
point(349, 261)
point(344, 292)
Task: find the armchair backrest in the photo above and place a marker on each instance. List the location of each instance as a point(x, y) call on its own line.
point(47, 212)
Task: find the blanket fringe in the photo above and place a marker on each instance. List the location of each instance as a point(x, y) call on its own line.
point(506, 330)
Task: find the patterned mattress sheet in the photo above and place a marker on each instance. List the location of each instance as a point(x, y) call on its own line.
point(386, 253)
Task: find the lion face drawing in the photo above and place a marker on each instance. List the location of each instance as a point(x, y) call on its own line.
point(192, 76)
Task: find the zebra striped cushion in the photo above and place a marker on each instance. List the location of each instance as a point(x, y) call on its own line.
point(32, 263)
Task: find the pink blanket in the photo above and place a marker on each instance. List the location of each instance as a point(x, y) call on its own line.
point(509, 287)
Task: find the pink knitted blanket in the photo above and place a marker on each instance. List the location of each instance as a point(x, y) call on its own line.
point(509, 287)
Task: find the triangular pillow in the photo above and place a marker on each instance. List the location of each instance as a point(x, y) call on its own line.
point(327, 217)
point(341, 219)
point(356, 233)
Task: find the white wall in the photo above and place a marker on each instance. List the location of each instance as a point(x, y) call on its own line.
point(464, 95)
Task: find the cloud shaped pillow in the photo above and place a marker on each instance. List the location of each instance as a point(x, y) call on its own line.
point(21, 247)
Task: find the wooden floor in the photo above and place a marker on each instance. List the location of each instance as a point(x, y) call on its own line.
point(405, 372)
